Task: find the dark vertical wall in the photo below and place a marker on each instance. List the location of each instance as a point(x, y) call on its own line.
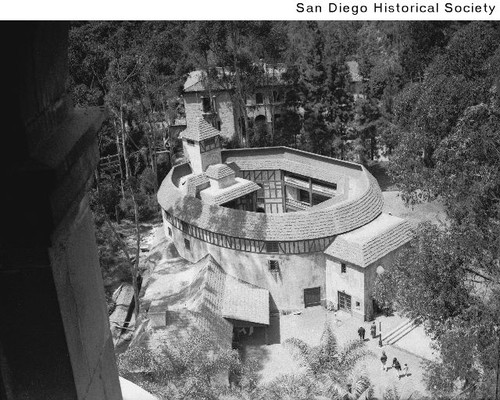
point(54, 334)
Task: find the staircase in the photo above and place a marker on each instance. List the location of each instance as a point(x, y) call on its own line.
point(399, 332)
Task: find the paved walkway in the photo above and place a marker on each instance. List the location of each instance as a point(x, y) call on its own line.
point(275, 359)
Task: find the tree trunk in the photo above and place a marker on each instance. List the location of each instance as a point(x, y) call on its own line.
point(135, 267)
point(119, 152)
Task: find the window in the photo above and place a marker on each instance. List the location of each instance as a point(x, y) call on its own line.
point(318, 198)
point(190, 142)
point(304, 196)
point(358, 305)
point(210, 144)
point(219, 125)
point(274, 265)
point(206, 106)
point(259, 98)
point(169, 232)
point(343, 268)
point(272, 247)
point(187, 244)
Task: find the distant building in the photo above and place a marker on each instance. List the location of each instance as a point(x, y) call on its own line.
point(216, 103)
point(307, 228)
point(356, 80)
point(212, 100)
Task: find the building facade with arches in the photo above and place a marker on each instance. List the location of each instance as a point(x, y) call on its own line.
point(307, 228)
point(217, 102)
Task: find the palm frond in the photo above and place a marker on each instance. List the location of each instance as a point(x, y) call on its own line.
point(351, 353)
point(301, 352)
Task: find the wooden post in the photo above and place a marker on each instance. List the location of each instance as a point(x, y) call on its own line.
point(310, 192)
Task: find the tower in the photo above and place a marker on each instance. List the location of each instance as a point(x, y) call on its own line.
point(201, 143)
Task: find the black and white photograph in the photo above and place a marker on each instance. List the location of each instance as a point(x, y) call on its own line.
point(257, 210)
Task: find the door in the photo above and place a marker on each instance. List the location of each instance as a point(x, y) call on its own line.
point(344, 302)
point(312, 297)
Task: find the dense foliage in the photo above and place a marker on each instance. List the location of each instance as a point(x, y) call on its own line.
point(448, 147)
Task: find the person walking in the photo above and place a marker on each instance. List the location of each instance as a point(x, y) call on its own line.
point(361, 333)
point(373, 330)
point(405, 370)
point(383, 359)
point(397, 367)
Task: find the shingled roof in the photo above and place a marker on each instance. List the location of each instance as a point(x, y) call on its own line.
point(361, 205)
point(241, 188)
point(195, 299)
point(219, 171)
point(245, 302)
point(365, 245)
point(197, 81)
point(195, 182)
point(199, 131)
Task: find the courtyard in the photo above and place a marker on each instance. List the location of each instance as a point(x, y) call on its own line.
point(275, 358)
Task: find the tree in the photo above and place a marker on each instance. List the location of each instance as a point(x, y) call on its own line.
point(320, 85)
point(331, 366)
point(185, 370)
point(440, 280)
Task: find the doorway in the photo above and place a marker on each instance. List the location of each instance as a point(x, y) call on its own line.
point(312, 297)
point(344, 302)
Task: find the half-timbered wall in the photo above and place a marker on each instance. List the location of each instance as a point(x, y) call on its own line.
point(250, 245)
point(270, 197)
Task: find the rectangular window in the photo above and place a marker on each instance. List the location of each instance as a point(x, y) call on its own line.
point(210, 144)
point(206, 106)
point(304, 196)
point(190, 142)
point(343, 268)
point(187, 244)
point(272, 247)
point(259, 98)
point(169, 232)
point(274, 265)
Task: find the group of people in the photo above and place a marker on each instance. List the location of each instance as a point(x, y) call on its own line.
point(373, 331)
point(395, 364)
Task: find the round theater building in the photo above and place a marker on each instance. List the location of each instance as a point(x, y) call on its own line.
point(307, 228)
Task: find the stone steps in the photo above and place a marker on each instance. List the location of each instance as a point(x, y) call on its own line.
point(399, 332)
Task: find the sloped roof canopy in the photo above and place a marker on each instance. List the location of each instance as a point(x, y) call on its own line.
point(199, 131)
point(219, 171)
point(199, 296)
point(240, 188)
point(365, 245)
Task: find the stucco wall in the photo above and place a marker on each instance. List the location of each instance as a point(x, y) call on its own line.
point(357, 282)
point(227, 114)
point(297, 271)
point(371, 273)
point(352, 283)
point(193, 154)
point(223, 107)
